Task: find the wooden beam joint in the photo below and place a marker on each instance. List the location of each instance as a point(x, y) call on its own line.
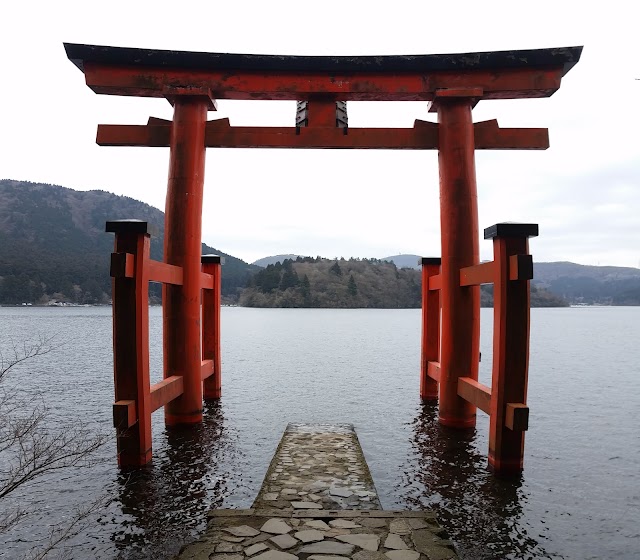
point(489, 136)
point(167, 390)
point(173, 93)
point(207, 369)
point(517, 417)
point(433, 370)
point(476, 393)
point(125, 414)
point(122, 265)
point(471, 94)
point(165, 273)
point(520, 267)
point(435, 282)
point(483, 273)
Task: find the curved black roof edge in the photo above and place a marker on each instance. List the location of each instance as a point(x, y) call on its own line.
point(566, 57)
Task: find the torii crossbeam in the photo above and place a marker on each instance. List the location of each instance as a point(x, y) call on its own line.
point(452, 84)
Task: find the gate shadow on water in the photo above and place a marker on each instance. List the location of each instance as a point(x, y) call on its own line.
point(166, 503)
point(481, 513)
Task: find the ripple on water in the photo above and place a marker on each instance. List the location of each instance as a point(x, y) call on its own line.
point(578, 495)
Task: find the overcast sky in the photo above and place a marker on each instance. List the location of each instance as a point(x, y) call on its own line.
point(584, 191)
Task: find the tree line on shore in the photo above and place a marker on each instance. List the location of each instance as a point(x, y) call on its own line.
point(53, 248)
point(353, 283)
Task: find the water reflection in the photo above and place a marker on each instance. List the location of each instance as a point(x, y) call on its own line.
point(481, 513)
point(165, 503)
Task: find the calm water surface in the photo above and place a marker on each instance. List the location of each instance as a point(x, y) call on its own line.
point(579, 496)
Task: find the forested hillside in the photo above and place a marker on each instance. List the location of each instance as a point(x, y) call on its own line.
point(53, 245)
point(318, 282)
point(266, 261)
point(353, 283)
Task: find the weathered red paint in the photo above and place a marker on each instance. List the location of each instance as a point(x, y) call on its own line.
point(211, 308)
point(125, 414)
point(207, 369)
point(475, 275)
point(430, 330)
point(510, 358)
point(165, 273)
point(433, 371)
point(365, 86)
point(321, 112)
point(165, 391)
point(131, 349)
point(183, 247)
point(460, 327)
point(476, 393)
point(423, 136)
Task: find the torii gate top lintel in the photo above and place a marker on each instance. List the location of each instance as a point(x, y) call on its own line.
point(321, 85)
point(501, 74)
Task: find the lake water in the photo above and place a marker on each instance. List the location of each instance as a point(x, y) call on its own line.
point(579, 495)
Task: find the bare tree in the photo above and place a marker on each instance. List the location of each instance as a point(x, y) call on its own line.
point(30, 449)
point(26, 351)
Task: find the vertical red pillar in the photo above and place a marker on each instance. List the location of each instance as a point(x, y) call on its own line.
point(130, 295)
point(211, 300)
point(460, 329)
point(509, 413)
point(430, 329)
point(183, 247)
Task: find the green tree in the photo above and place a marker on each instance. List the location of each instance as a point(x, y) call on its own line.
point(289, 277)
point(352, 288)
point(268, 279)
point(335, 269)
point(305, 287)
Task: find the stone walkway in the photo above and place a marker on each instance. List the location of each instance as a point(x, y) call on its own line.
point(318, 467)
point(318, 502)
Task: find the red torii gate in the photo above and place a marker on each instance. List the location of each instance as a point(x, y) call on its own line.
point(453, 84)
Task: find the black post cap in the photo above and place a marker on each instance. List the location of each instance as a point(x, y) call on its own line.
point(429, 260)
point(212, 259)
point(511, 229)
point(127, 226)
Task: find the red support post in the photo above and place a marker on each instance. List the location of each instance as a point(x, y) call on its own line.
point(430, 329)
point(130, 294)
point(508, 410)
point(183, 247)
point(460, 328)
point(211, 299)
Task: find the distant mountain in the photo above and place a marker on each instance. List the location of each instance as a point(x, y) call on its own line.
point(546, 272)
point(266, 261)
point(405, 261)
point(583, 284)
point(575, 283)
point(53, 244)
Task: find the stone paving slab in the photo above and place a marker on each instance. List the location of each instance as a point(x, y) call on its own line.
point(318, 466)
point(419, 537)
point(318, 502)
